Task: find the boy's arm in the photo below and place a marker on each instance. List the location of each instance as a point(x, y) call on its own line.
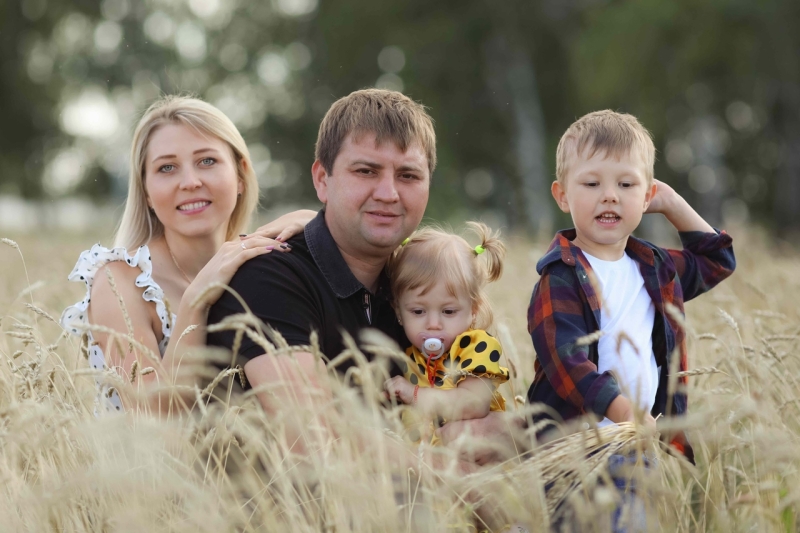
point(707, 256)
point(556, 323)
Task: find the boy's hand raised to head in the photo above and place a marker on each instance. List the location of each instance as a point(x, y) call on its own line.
point(676, 209)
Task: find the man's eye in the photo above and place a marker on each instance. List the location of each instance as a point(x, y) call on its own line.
point(409, 177)
point(166, 168)
point(365, 171)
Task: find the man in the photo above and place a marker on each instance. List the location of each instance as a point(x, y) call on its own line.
point(375, 153)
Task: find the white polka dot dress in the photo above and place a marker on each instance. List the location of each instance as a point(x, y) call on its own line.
point(89, 262)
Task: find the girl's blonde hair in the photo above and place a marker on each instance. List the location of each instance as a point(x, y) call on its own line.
point(433, 253)
point(139, 225)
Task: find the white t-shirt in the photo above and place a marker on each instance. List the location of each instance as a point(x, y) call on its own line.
point(626, 319)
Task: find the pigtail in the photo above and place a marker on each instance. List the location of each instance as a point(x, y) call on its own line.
point(493, 249)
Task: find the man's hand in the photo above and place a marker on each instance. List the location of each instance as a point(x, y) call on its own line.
point(398, 387)
point(490, 439)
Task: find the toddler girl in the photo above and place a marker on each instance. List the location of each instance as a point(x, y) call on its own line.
point(437, 282)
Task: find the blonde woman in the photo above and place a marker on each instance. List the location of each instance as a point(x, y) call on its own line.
point(191, 193)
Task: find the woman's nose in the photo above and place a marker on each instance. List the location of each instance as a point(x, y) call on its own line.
point(190, 180)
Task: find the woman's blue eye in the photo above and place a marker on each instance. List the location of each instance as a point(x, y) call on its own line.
point(166, 168)
point(208, 161)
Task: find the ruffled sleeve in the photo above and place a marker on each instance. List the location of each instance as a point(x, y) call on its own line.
point(91, 261)
point(478, 353)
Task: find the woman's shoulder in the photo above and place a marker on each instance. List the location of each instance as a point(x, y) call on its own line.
point(108, 272)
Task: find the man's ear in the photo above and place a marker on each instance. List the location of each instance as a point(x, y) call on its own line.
point(649, 195)
point(320, 177)
point(559, 193)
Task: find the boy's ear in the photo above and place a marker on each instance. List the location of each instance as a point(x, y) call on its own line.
point(649, 195)
point(560, 195)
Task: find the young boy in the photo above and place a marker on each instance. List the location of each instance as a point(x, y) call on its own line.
point(604, 171)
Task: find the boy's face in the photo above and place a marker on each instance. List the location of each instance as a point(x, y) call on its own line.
point(606, 198)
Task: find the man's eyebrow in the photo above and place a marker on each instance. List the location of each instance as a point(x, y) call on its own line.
point(364, 162)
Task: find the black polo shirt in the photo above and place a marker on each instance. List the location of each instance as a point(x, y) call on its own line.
point(308, 289)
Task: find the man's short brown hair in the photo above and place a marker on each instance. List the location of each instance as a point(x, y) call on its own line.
point(389, 115)
point(611, 133)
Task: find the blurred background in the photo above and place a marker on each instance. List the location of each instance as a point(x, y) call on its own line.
point(716, 81)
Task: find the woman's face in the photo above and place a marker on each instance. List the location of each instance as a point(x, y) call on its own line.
point(191, 181)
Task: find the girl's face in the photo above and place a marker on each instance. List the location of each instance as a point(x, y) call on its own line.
point(436, 313)
point(191, 181)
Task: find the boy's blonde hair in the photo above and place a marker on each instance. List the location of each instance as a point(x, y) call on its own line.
point(611, 133)
point(139, 225)
point(432, 254)
point(389, 115)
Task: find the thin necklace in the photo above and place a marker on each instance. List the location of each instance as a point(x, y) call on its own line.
point(176, 262)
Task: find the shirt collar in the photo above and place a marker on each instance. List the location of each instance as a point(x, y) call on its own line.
point(562, 248)
point(329, 259)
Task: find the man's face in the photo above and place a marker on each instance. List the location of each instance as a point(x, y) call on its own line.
point(606, 198)
point(375, 195)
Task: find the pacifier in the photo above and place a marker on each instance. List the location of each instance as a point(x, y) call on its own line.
point(433, 347)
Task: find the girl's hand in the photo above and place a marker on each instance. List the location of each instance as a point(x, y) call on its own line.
point(401, 389)
point(285, 227)
point(225, 263)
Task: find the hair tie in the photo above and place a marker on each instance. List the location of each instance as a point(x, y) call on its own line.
point(405, 241)
point(479, 250)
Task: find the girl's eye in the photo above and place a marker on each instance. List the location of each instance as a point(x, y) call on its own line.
point(417, 311)
point(166, 168)
point(626, 184)
point(450, 311)
point(591, 184)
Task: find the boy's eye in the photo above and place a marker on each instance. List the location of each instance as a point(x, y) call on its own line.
point(626, 184)
point(590, 184)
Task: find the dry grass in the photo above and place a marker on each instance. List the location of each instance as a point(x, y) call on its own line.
point(223, 465)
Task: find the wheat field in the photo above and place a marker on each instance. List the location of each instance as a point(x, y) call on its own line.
point(217, 462)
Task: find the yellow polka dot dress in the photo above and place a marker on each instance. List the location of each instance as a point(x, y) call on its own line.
point(473, 353)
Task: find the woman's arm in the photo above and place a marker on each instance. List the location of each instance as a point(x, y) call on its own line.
point(284, 228)
point(114, 282)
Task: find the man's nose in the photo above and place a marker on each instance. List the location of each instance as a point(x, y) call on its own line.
point(385, 190)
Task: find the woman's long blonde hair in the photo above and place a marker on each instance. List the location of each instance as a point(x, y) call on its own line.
point(139, 225)
point(433, 254)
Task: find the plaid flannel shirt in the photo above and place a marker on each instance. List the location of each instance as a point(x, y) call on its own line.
point(565, 307)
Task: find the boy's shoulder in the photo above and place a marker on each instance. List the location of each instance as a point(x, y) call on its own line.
point(562, 254)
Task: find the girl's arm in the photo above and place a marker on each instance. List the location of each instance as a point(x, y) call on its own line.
point(470, 399)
